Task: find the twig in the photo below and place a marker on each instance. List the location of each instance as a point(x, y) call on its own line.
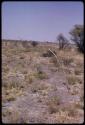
point(55, 56)
point(57, 59)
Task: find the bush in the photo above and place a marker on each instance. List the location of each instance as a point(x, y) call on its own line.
point(41, 75)
point(48, 54)
point(72, 79)
point(77, 36)
point(67, 61)
point(63, 42)
point(34, 43)
point(55, 62)
point(53, 104)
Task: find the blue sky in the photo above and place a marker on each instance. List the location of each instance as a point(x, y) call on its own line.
point(41, 21)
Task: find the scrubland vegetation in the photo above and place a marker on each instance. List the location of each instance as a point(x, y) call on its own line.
point(39, 88)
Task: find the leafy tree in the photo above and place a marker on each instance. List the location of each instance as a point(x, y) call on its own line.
point(77, 36)
point(63, 42)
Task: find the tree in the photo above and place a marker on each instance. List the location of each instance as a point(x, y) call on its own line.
point(77, 36)
point(63, 42)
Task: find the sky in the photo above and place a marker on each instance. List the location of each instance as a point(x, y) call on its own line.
point(40, 21)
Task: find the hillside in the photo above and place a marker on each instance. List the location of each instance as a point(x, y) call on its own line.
point(37, 87)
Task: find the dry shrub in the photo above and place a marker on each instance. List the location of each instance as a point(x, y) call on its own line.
point(14, 116)
point(11, 94)
point(13, 80)
point(72, 79)
point(5, 69)
point(41, 75)
point(78, 71)
point(53, 104)
point(48, 54)
point(10, 97)
point(55, 62)
point(34, 43)
point(37, 87)
point(67, 61)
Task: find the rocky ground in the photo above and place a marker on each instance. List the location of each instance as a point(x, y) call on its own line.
point(41, 89)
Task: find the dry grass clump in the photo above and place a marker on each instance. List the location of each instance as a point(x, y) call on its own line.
point(38, 74)
point(17, 79)
point(29, 78)
point(55, 62)
point(69, 114)
point(41, 75)
point(26, 50)
point(5, 69)
point(61, 61)
point(25, 44)
point(72, 79)
point(10, 97)
point(72, 112)
point(38, 87)
point(48, 54)
point(12, 86)
point(82, 98)
point(66, 117)
point(72, 107)
point(77, 71)
point(53, 69)
point(53, 104)
point(66, 61)
point(11, 94)
point(22, 57)
point(79, 105)
point(14, 116)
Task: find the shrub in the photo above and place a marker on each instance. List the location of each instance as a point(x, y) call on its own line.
point(30, 79)
point(53, 104)
point(72, 79)
point(10, 97)
point(25, 44)
point(35, 87)
point(77, 36)
point(54, 61)
point(13, 80)
point(67, 61)
point(41, 75)
point(34, 43)
point(63, 42)
point(48, 54)
point(14, 116)
point(77, 71)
